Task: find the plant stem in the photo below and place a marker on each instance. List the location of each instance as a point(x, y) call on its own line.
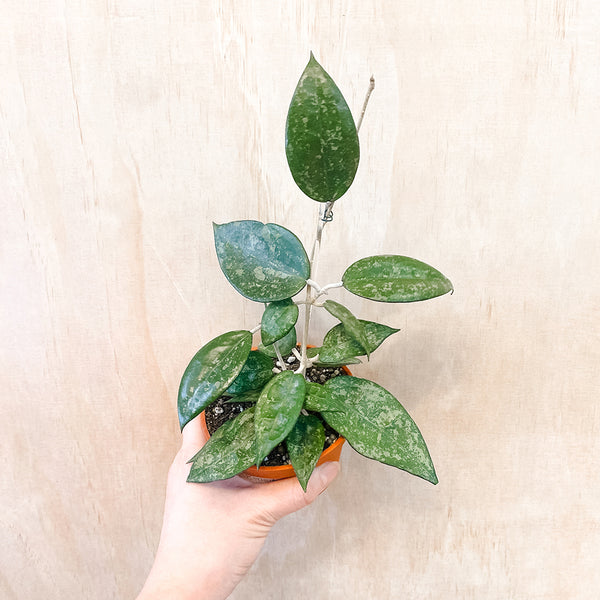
point(364, 107)
point(325, 215)
point(279, 357)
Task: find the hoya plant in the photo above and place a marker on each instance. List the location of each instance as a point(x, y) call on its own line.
point(267, 263)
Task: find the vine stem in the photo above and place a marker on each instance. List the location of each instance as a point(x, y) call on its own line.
point(325, 215)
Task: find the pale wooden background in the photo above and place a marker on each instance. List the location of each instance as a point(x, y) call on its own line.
point(128, 126)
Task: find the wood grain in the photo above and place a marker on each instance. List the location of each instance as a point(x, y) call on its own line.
point(128, 127)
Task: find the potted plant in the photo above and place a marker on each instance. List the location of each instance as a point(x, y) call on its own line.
point(276, 401)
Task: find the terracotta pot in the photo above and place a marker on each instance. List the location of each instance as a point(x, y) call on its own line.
point(284, 471)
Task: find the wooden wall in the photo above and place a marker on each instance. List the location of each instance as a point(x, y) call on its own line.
point(128, 126)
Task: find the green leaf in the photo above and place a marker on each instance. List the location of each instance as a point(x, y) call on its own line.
point(354, 328)
point(277, 410)
point(285, 344)
point(263, 262)
point(304, 444)
point(277, 320)
point(318, 398)
point(377, 426)
point(210, 372)
point(229, 451)
point(255, 374)
point(338, 344)
point(348, 360)
point(392, 278)
point(251, 396)
point(321, 142)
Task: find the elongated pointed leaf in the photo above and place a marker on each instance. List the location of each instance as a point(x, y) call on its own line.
point(229, 451)
point(377, 426)
point(263, 262)
point(251, 396)
point(321, 142)
point(304, 444)
point(338, 344)
point(210, 372)
point(255, 374)
point(285, 344)
point(354, 328)
point(277, 320)
point(277, 410)
point(392, 278)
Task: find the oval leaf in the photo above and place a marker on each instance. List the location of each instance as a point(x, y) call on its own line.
point(255, 374)
point(338, 345)
point(321, 142)
point(210, 372)
point(304, 444)
point(277, 409)
point(277, 320)
point(285, 344)
point(392, 278)
point(377, 426)
point(263, 262)
point(348, 360)
point(354, 328)
point(229, 451)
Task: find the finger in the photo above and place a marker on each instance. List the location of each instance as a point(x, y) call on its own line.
point(287, 496)
point(194, 435)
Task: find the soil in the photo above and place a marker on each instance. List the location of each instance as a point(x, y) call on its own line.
point(221, 411)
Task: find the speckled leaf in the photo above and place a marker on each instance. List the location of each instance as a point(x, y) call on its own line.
point(285, 344)
point(318, 398)
point(229, 451)
point(377, 426)
point(348, 360)
point(263, 262)
point(304, 444)
point(337, 344)
point(210, 372)
point(354, 328)
point(255, 374)
point(277, 410)
point(392, 278)
point(277, 320)
point(321, 142)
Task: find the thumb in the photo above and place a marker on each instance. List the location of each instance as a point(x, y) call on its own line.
point(287, 496)
point(194, 435)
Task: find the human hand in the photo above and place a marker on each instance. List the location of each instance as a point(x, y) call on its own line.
point(213, 532)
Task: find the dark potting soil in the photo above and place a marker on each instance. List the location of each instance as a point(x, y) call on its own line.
point(223, 410)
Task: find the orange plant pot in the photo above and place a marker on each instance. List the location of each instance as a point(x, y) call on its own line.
point(284, 471)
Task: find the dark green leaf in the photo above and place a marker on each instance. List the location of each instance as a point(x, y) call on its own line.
point(354, 328)
point(263, 262)
point(251, 396)
point(210, 373)
point(285, 345)
point(321, 142)
point(342, 362)
point(277, 409)
point(318, 398)
point(277, 320)
point(376, 425)
point(393, 278)
point(337, 344)
point(304, 444)
point(255, 374)
point(229, 451)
